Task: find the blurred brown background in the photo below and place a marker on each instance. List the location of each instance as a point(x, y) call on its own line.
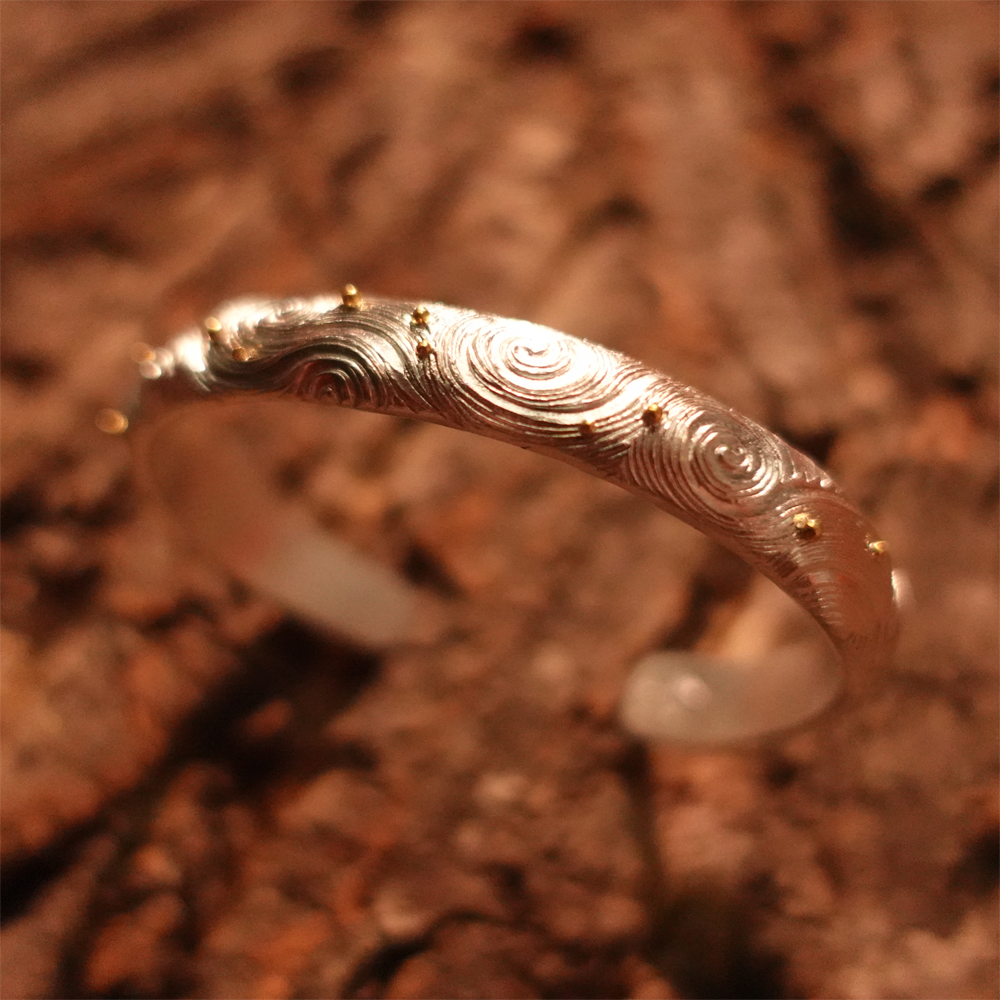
point(790, 205)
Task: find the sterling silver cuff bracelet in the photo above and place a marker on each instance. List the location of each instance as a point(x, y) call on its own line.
point(531, 386)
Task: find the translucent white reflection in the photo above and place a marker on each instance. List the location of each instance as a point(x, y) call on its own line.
point(665, 695)
point(692, 692)
point(902, 591)
point(189, 350)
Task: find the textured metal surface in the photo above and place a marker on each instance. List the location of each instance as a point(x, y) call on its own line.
point(565, 397)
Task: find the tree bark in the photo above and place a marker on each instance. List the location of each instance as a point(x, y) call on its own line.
point(791, 206)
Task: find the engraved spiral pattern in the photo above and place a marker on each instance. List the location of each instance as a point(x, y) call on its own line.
point(534, 368)
point(716, 462)
point(521, 381)
point(733, 466)
point(598, 409)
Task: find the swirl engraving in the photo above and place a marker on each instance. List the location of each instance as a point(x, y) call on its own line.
point(724, 466)
point(534, 368)
point(563, 396)
point(509, 378)
point(731, 464)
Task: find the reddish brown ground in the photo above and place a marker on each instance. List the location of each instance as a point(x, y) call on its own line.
point(792, 206)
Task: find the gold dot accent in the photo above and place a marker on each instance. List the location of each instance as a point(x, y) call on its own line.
point(807, 527)
point(652, 415)
point(587, 428)
point(877, 548)
point(424, 349)
point(350, 297)
point(244, 354)
point(111, 421)
point(213, 326)
point(420, 316)
point(142, 352)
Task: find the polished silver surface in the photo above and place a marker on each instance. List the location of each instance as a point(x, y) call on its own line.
point(564, 397)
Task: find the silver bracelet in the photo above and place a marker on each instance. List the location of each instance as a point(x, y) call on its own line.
point(531, 386)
